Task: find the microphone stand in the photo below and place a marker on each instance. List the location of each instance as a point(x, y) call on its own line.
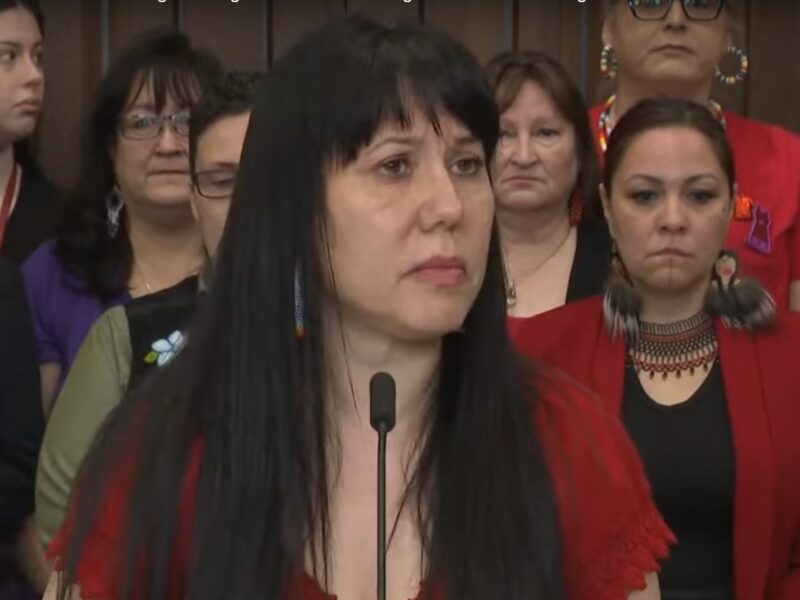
point(382, 419)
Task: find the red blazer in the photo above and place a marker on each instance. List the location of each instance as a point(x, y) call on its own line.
point(767, 161)
point(762, 383)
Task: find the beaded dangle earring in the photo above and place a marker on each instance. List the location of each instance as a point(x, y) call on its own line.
point(608, 63)
point(741, 72)
point(740, 302)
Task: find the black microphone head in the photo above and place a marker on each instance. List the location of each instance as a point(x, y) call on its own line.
point(381, 401)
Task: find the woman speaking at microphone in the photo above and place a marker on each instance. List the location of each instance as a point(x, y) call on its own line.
point(361, 239)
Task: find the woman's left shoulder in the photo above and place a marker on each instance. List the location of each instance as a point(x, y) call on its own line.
point(613, 533)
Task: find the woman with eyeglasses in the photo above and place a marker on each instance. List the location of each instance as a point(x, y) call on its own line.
point(128, 229)
point(127, 343)
point(674, 48)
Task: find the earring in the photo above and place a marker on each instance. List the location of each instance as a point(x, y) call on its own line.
point(299, 325)
point(741, 73)
point(621, 301)
point(740, 302)
point(114, 204)
point(608, 63)
point(575, 207)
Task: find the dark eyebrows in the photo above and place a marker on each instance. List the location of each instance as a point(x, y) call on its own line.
point(18, 46)
point(658, 180)
point(466, 140)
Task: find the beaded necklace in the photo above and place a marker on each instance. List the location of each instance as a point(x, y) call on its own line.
point(665, 348)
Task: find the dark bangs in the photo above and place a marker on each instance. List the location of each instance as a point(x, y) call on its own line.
point(169, 79)
point(382, 74)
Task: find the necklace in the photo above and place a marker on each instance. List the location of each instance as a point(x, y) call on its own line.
point(675, 347)
point(138, 269)
point(511, 285)
point(604, 126)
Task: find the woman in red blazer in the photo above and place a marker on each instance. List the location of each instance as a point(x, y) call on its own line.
point(673, 49)
point(693, 357)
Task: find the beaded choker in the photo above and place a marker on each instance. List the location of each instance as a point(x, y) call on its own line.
point(675, 347)
point(604, 123)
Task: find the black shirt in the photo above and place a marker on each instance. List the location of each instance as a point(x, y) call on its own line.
point(21, 418)
point(592, 260)
point(33, 218)
point(687, 450)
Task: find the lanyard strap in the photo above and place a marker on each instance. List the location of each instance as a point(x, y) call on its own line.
point(8, 200)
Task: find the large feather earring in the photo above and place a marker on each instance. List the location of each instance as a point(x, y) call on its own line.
point(621, 302)
point(740, 302)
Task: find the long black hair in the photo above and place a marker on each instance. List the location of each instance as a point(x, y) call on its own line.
point(102, 264)
point(22, 149)
point(254, 395)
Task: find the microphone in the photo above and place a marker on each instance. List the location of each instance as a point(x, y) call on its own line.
point(381, 417)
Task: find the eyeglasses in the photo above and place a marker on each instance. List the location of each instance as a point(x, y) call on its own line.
point(695, 10)
point(216, 183)
point(148, 127)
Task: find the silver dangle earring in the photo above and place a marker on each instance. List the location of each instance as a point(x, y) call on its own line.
point(114, 205)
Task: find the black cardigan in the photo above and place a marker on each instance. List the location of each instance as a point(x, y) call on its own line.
point(33, 219)
point(592, 260)
point(21, 419)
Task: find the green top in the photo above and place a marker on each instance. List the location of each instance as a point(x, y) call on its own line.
point(96, 383)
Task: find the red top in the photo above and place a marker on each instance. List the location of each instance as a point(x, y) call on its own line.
point(761, 388)
point(767, 161)
point(612, 533)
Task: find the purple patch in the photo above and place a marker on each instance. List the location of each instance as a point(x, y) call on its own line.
point(760, 236)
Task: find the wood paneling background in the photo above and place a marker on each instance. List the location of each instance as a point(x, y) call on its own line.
point(83, 36)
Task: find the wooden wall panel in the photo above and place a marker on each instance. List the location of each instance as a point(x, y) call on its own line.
point(538, 26)
point(73, 31)
point(289, 19)
point(127, 18)
point(215, 25)
point(597, 89)
point(386, 10)
point(486, 27)
point(253, 33)
point(774, 49)
point(572, 39)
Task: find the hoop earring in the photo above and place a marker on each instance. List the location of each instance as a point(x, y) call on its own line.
point(299, 307)
point(114, 205)
point(621, 302)
point(741, 73)
point(608, 63)
point(740, 302)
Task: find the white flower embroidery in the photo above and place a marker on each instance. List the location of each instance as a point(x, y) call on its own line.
point(165, 350)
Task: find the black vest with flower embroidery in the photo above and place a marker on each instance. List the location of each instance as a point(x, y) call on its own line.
point(157, 324)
